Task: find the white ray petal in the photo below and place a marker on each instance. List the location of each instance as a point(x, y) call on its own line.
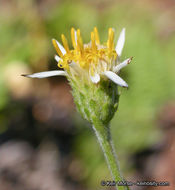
point(74, 65)
point(46, 74)
point(121, 65)
point(115, 78)
point(120, 42)
point(75, 37)
point(61, 47)
point(75, 68)
point(57, 58)
point(95, 79)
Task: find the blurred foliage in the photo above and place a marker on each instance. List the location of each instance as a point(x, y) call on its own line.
point(25, 36)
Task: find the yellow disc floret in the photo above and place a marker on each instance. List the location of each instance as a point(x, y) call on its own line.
point(92, 56)
point(65, 43)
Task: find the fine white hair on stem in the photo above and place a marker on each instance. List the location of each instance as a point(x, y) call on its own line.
point(120, 42)
point(46, 74)
point(115, 78)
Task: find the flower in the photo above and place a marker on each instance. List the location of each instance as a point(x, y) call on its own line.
point(89, 62)
point(88, 68)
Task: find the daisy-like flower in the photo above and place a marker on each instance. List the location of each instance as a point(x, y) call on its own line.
point(92, 70)
point(89, 62)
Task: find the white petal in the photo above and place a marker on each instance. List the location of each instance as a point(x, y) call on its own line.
point(115, 78)
point(61, 47)
point(74, 66)
point(75, 37)
point(57, 58)
point(121, 65)
point(46, 74)
point(120, 42)
point(95, 79)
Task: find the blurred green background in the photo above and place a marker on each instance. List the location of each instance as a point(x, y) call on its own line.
point(42, 111)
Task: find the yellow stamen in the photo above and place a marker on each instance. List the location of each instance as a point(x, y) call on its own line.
point(97, 39)
point(63, 64)
point(94, 47)
point(73, 38)
point(110, 42)
point(65, 43)
point(79, 42)
point(90, 56)
point(57, 48)
point(60, 65)
point(92, 71)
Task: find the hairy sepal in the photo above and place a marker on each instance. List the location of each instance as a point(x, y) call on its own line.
point(95, 101)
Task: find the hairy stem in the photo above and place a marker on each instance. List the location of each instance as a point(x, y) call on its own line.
point(104, 138)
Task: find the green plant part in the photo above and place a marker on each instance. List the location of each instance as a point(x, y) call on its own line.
point(92, 71)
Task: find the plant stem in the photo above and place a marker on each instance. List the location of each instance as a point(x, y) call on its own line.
point(104, 138)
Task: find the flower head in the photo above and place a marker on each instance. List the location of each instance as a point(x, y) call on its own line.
point(89, 62)
point(92, 70)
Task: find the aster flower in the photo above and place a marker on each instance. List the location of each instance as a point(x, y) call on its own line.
point(92, 70)
point(90, 62)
